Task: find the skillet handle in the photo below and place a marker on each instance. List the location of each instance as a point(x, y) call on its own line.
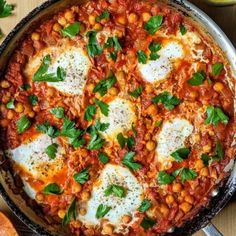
point(211, 230)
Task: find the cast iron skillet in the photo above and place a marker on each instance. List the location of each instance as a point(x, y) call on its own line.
point(33, 219)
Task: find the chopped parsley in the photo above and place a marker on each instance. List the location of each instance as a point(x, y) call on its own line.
point(197, 79)
point(104, 15)
point(58, 112)
point(33, 100)
point(104, 108)
point(71, 30)
point(53, 189)
point(147, 223)
point(113, 42)
point(164, 178)
point(142, 57)
point(48, 129)
point(105, 84)
point(23, 124)
point(215, 115)
point(182, 29)
point(168, 100)
point(90, 112)
point(103, 157)
point(154, 47)
point(93, 46)
point(129, 161)
point(70, 214)
point(153, 24)
point(123, 141)
point(136, 92)
point(145, 205)
point(102, 210)
point(180, 154)
point(51, 150)
point(217, 68)
point(82, 176)
point(10, 104)
point(116, 190)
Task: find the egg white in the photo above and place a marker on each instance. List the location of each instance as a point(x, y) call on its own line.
point(159, 69)
point(172, 137)
point(120, 118)
point(72, 59)
point(128, 205)
point(32, 158)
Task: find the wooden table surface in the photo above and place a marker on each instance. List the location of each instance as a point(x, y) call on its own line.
point(225, 18)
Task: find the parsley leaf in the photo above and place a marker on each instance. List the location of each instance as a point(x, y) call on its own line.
point(103, 157)
point(51, 150)
point(42, 76)
point(5, 9)
point(72, 30)
point(104, 108)
point(158, 123)
point(33, 99)
point(101, 126)
point(219, 151)
point(113, 56)
point(147, 223)
point(102, 210)
point(205, 159)
point(104, 15)
point(142, 57)
point(82, 176)
point(145, 205)
point(25, 87)
point(96, 142)
point(116, 190)
point(167, 99)
point(153, 24)
point(90, 112)
point(58, 112)
point(217, 68)
point(185, 174)
point(52, 188)
point(71, 213)
point(123, 141)
point(23, 124)
point(182, 29)
point(10, 104)
point(128, 161)
point(48, 129)
point(154, 47)
point(137, 92)
point(215, 115)
point(197, 79)
point(180, 154)
point(74, 135)
point(103, 85)
point(93, 46)
point(113, 42)
point(164, 178)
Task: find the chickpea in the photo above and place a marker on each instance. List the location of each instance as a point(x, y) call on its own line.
point(126, 219)
point(189, 199)
point(120, 75)
point(185, 207)
point(10, 114)
point(170, 199)
point(193, 94)
point(90, 87)
point(204, 172)
point(206, 148)
point(197, 138)
point(199, 164)
point(39, 197)
point(113, 91)
point(82, 211)
point(146, 16)
point(121, 20)
point(50, 92)
point(76, 187)
point(152, 110)
point(183, 193)
point(69, 15)
point(35, 36)
point(6, 98)
point(5, 84)
point(31, 114)
point(218, 86)
point(2, 108)
point(4, 123)
point(108, 229)
point(149, 88)
point(92, 20)
point(57, 27)
point(85, 196)
point(97, 26)
point(150, 145)
point(177, 187)
point(61, 213)
point(62, 21)
point(19, 107)
point(132, 18)
point(164, 209)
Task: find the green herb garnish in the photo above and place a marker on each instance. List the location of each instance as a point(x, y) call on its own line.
point(217, 68)
point(129, 161)
point(5, 9)
point(153, 24)
point(72, 30)
point(180, 154)
point(182, 29)
point(90, 112)
point(116, 190)
point(104, 15)
point(103, 157)
point(102, 211)
point(10, 104)
point(136, 92)
point(23, 124)
point(142, 57)
point(48, 129)
point(82, 176)
point(215, 115)
point(58, 112)
point(33, 99)
point(93, 46)
point(51, 150)
point(104, 108)
point(147, 223)
point(197, 79)
point(70, 214)
point(145, 205)
point(53, 189)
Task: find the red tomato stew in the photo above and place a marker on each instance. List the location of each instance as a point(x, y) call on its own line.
point(118, 118)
